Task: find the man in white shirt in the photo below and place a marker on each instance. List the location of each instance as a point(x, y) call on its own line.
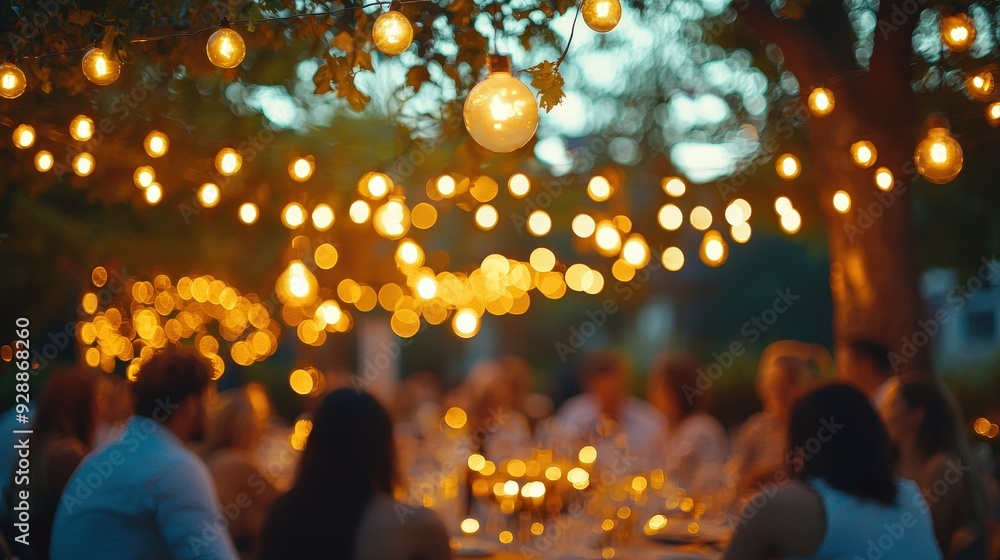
point(864, 363)
point(629, 431)
point(145, 495)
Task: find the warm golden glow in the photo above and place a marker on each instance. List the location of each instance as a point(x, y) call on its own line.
point(863, 153)
point(375, 185)
point(455, 418)
point(486, 217)
point(24, 136)
point(12, 81)
point(427, 287)
point(465, 323)
point(322, 217)
point(81, 128)
point(294, 215)
point(607, 237)
point(587, 454)
point(44, 160)
point(821, 102)
point(601, 15)
point(791, 221)
point(501, 113)
point(539, 223)
point(740, 232)
point(782, 205)
point(519, 185)
point(958, 32)
point(143, 176)
point(506, 537)
point(446, 186)
point(939, 156)
point(884, 179)
point(542, 259)
point(737, 212)
point(670, 217)
point(392, 33)
point(392, 219)
point(156, 144)
point(301, 169)
point(409, 253)
point(248, 213)
point(325, 256)
point(788, 167)
point(301, 381)
point(469, 526)
point(841, 202)
point(228, 161)
point(208, 195)
point(635, 251)
point(674, 186)
point(993, 113)
point(673, 259)
point(100, 68)
point(359, 211)
point(153, 194)
point(714, 249)
point(599, 189)
point(226, 48)
point(701, 218)
point(980, 85)
point(83, 164)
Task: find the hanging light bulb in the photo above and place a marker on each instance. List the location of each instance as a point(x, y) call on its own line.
point(301, 169)
point(228, 161)
point(791, 221)
point(81, 128)
point(884, 179)
point(44, 160)
point(788, 167)
point(980, 85)
point(601, 15)
point(12, 80)
point(599, 188)
point(153, 194)
point(821, 102)
point(359, 211)
point(714, 249)
point(294, 215)
point(958, 32)
point(841, 201)
point(156, 144)
point(938, 156)
point(674, 186)
point(392, 32)
point(24, 136)
point(864, 154)
point(83, 164)
point(392, 219)
point(322, 217)
point(226, 47)
point(993, 113)
point(99, 68)
point(209, 195)
point(296, 285)
point(144, 176)
point(248, 212)
point(501, 113)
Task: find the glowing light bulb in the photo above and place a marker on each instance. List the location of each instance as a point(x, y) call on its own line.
point(701, 218)
point(12, 80)
point(81, 128)
point(466, 325)
point(635, 251)
point(939, 156)
point(740, 232)
point(228, 161)
point(293, 216)
point(714, 249)
point(791, 221)
point(426, 287)
point(99, 68)
point(738, 212)
point(599, 188)
point(359, 211)
point(674, 186)
point(156, 144)
point(248, 212)
point(958, 32)
point(83, 164)
point(392, 32)
point(301, 169)
point(392, 219)
point(864, 154)
point(670, 217)
point(143, 176)
point(519, 185)
point(788, 167)
point(486, 217)
point(322, 217)
point(209, 195)
point(782, 205)
point(673, 259)
point(841, 202)
point(993, 113)
point(980, 85)
point(539, 223)
point(501, 113)
point(601, 15)
point(542, 259)
point(884, 179)
point(24, 136)
point(44, 160)
point(821, 102)
point(445, 186)
point(153, 194)
point(607, 237)
point(375, 185)
point(296, 285)
point(583, 226)
point(226, 47)
point(409, 253)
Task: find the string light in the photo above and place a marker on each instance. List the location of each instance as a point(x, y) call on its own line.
point(143, 176)
point(248, 213)
point(153, 194)
point(24, 136)
point(322, 217)
point(301, 169)
point(486, 217)
point(821, 102)
point(714, 249)
point(601, 15)
point(599, 189)
point(993, 113)
point(791, 221)
point(466, 325)
point(980, 85)
point(375, 185)
point(788, 167)
point(228, 161)
point(674, 186)
point(635, 251)
point(701, 218)
point(99, 68)
point(226, 47)
point(359, 211)
point(392, 219)
point(519, 185)
point(293, 216)
point(44, 160)
point(670, 217)
point(156, 144)
point(842, 202)
point(542, 259)
point(884, 179)
point(863, 153)
point(83, 164)
point(583, 226)
point(392, 32)
point(12, 80)
point(501, 113)
point(209, 195)
point(782, 205)
point(938, 156)
point(672, 259)
point(445, 186)
point(539, 223)
point(81, 128)
point(740, 232)
point(608, 238)
point(958, 32)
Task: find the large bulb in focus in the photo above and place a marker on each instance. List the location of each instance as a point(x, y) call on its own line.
point(501, 113)
point(226, 47)
point(958, 32)
point(939, 156)
point(392, 33)
point(99, 68)
point(601, 15)
point(12, 80)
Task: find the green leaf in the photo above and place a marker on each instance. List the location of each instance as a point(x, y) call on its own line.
point(546, 79)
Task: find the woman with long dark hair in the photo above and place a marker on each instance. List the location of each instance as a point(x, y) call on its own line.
point(842, 500)
point(341, 505)
point(923, 424)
